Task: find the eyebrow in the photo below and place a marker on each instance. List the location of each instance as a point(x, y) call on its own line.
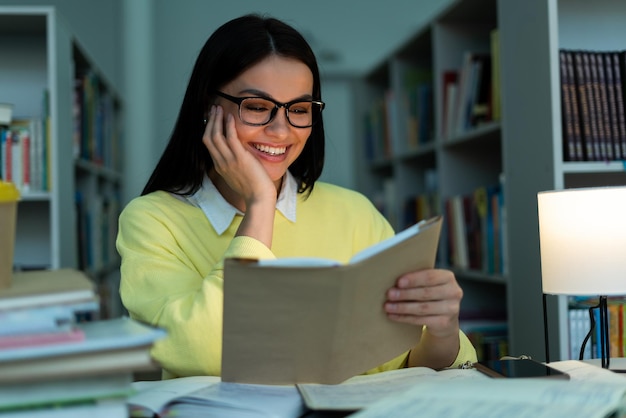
point(259, 93)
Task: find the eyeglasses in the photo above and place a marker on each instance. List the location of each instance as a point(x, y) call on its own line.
point(259, 111)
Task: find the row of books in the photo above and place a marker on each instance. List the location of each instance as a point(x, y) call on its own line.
point(57, 357)
point(403, 119)
point(96, 136)
point(580, 312)
point(475, 230)
point(471, 94)
point(25, 153)
point(592, 99)
point(96, 218)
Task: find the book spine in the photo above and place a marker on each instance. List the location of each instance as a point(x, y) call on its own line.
point(611, 94)
point(591, 105)
point(583, 106)
point(602, 112)
point(619, 82)
point(569, 142)
point(576, 121)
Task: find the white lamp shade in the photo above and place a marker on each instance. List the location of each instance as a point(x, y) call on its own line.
point(582, 235)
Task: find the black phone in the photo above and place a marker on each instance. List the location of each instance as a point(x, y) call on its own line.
point(517, 368)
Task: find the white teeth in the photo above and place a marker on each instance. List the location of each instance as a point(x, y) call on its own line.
point(271, 150)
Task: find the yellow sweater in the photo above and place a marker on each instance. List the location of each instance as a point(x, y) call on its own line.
point(172, 266)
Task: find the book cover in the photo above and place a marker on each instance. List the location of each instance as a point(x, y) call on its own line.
point(307, 322)
point(46, 287)
point(109, 346)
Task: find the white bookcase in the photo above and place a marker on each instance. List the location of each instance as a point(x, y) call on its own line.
point(533, 146)
point(522, 150)
point(39, 53)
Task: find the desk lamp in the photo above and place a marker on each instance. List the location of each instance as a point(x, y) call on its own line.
point(582, 234)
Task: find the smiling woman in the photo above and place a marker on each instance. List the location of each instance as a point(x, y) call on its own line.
point(239, 178)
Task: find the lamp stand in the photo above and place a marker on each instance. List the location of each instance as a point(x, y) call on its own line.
point(545, 328)
point(605, 347)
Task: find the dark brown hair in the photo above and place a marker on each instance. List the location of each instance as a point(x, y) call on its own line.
point(233, 48)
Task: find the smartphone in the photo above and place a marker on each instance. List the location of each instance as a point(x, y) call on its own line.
point(517, 368)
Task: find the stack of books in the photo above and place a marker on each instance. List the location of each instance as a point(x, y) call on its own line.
point(58, 358)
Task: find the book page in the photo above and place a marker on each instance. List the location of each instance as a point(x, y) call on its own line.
point(199, 395)
point(496, 398)
point(152, 396)
point(282, 401)
point(391, 241)
point(298, 262)
point(361, 391)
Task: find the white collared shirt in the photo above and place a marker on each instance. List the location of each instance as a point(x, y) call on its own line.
point(220, 213)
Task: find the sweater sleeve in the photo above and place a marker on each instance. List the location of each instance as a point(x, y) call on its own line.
point(163, 286)
point(466, 353)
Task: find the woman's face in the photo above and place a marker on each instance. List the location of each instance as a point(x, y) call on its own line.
point(277, 144)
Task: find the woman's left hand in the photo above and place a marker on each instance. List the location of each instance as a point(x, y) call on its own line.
point(429, 297)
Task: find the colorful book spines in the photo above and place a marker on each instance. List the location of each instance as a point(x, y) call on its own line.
point(475, 230)
point(24, 158)
point(580, 325)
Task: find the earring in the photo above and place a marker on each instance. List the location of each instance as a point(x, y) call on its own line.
point(204, 121)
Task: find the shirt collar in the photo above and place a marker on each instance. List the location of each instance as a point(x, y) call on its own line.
point(220, 213)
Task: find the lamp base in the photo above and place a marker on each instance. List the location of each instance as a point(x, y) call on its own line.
point(605, 347)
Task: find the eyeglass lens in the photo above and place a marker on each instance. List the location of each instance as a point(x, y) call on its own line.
point(259, 111)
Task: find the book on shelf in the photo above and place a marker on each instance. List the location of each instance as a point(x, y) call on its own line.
point(209, 396)
point(579, 314)
point(496, 100)
point(109, 346)
point(572, 141)
point(592, 102)
point(24, 154)
point(417, 106)
point(475, 238)
point(6, 113)
point(591, 392)
point(450, 83)
point(474, 92)
point(619, 90)
point(324, 341)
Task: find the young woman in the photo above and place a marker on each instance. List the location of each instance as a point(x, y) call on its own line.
point(238, 178)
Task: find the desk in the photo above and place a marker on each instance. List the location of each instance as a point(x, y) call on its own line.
point(427, 391)
point(617, 364)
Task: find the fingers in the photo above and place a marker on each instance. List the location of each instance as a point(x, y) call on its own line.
point(428, 297)
point(224, 148)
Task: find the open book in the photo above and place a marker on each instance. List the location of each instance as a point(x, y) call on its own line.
point(208, 396)
point(364, 390)
point(287, 322)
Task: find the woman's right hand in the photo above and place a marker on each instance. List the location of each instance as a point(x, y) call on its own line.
point(243, 173)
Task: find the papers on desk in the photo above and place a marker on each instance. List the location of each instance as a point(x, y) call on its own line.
point(591, 392)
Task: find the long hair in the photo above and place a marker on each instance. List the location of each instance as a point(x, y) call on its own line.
point(233, 48)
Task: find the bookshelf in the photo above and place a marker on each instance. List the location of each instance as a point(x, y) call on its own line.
point(517, 148)
point(534, 95)
point(69, 217)
point(418, 160)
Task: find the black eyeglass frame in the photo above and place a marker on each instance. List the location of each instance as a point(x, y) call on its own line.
point(274, 111)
